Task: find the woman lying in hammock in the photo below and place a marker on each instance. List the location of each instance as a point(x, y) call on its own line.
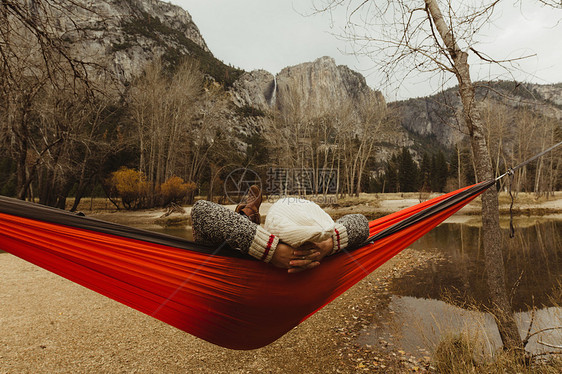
point(297, 233)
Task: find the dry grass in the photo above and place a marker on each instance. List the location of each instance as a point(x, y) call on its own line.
point(100, 204)
point(457, 354)
point(525, 198)
point(372, 200)
point(454, 354)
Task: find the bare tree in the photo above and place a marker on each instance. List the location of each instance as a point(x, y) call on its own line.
point(373, 118)
point(408, 37)
point(337, 137)
point(324, 153)
point(497, 121)
point(349, 147)
point(163, 108)
point(295, 125)
point(34, 58)
point(208, 142)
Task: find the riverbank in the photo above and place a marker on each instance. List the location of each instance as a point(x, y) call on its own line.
point(371, 205)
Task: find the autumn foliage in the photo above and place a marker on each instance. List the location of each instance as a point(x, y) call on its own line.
point(135, 192)
point(174, 190)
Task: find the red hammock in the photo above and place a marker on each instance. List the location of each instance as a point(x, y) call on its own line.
point(233, 302)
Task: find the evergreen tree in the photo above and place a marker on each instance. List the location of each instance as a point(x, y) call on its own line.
point(432, 179)
point(257, 153)
point(7, 177)
point(407, 172)
point(454, 164)
point(425, 173)
point(467, 168)
point(391, 175)
point(439, 172)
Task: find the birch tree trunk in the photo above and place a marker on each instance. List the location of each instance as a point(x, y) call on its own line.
point(495, 271)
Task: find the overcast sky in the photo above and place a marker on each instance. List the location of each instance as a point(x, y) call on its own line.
point(270, 35)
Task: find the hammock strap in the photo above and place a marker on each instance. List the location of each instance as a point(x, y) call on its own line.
point(510, 171)
point(432, 210)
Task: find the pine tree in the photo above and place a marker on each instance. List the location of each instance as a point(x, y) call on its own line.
point(391, 175)
point(439, 172)
point(408, 172)
point(425, 173)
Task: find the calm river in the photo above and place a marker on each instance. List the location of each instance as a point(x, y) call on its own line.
point(449, 296)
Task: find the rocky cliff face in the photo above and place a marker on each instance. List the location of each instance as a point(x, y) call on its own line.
point(312, 89)
point(432, 117)
point(320, 84)
point(439, 117)
point(549, 92)
point(255, 89)
point(124, 35)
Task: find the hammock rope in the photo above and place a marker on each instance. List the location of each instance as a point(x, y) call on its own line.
point(511, 173)
point(514, 168)
point(217, 294)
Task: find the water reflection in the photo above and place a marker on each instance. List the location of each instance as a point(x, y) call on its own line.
point(417, 326)
point(533, 264)
point(428, 301)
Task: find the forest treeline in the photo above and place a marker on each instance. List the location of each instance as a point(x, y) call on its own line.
point(69, 128)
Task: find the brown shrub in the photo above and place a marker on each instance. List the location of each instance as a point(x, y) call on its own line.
point(175, 190)
point(131, 186)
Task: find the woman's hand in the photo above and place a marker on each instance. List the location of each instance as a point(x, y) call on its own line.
point(324, 248)
point(306, 257)
point(295, 260)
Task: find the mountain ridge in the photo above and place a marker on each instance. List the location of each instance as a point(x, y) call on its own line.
point(125, 35)
point(128, 34)
point(439, 114)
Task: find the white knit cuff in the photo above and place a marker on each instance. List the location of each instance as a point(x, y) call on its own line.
point(263, 246)
point(340, 238)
